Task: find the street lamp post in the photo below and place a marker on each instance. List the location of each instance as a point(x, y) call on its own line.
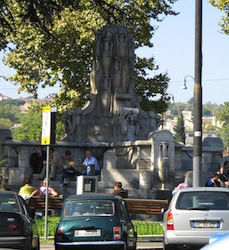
point(197, 106)
point(197, 145)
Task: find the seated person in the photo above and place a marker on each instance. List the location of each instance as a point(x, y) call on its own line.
point(118, 190)
point(69, 168)
point(27, 190)
point(37, 160)
point(180, 186)
point(54, 163)
point(42, 190)
point(91, 161)
point(214, 181)
point(4, 184)
point(223, 175)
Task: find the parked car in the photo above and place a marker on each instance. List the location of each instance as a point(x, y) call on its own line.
point(218, 241)
point(17, 227)
point(217, 236)
point(193, 215)
point(98, 221)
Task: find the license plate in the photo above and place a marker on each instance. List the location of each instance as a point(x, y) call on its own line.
point(88, 233)
point(205, 224)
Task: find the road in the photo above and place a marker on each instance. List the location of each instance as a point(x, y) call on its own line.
point(141, 245)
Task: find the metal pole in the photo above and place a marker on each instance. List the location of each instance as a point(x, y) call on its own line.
point(47, 194)
point(197, 146)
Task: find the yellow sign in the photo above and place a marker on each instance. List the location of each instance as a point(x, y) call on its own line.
point(46, 126)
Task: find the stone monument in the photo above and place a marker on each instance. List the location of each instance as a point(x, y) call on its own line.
point(112, 113)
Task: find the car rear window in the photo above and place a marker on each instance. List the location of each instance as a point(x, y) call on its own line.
point(8, 203)
point(89, 208)
point(203, 200)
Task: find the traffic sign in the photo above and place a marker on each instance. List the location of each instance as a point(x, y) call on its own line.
point(46, 126)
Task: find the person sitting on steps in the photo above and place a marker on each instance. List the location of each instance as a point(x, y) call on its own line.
point(54, 163)
point(69, 169)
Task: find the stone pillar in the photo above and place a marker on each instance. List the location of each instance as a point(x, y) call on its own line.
point(109, 160)
point(145, 180)
point(5, 134)
point(12, 160)
point(24, 158)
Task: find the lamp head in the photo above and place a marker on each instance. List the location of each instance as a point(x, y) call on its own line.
point(184, 86)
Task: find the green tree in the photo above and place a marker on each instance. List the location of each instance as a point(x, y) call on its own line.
point(191, 100)
point(179, 129)
point(31, 125)
point(223, 117)
point(10, 112)
point(210, 128)
point(223, 5)
point(15, 102)
point(5, 123)
point(51, 43)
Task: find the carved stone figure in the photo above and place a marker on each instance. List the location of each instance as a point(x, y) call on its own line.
point(116, 76)
point(107, 53)
point(112, 109)
point(129, 123)
point(122, 46)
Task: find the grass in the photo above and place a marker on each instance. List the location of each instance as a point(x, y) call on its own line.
point(141, 227)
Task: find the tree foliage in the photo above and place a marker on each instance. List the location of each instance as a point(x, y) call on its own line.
point(31, 125)
point(223, 117)
point(16, 102)
point(5, 123)
point(223, 5)
point(50, 42)
point(9, 112)
point(179, 129)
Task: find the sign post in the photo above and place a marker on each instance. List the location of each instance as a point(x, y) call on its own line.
point(48, 137)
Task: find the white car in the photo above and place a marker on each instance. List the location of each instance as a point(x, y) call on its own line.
point(193, 215)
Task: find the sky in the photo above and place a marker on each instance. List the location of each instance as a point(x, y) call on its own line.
point(174, 53)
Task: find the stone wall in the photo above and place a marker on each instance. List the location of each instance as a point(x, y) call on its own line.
point(143, 166)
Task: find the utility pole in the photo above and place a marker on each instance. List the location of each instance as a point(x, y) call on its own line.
point(197, 146)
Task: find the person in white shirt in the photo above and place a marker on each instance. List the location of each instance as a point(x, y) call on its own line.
point(91, 161)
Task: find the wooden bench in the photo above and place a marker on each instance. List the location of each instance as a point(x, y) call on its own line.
point(135, 206)
point(146, 206)
point(38, 202)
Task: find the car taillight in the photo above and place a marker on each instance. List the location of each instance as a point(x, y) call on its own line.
point(117, 233)
point(170, 225)
point(14, 228)
point(59, 235)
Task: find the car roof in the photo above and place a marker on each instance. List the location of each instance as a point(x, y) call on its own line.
point(2, 191)
point(196, 189)
point(94, 196)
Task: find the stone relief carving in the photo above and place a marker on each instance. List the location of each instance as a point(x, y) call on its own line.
point(130, 123)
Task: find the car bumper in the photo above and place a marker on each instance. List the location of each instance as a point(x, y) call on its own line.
point(16, 242)
point(171, 238)
point(92, 244)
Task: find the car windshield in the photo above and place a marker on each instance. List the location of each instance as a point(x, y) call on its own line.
point(203, 200)
point(89, 208)
point(8, 203)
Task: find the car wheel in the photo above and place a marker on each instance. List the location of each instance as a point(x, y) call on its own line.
point(125, 244)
